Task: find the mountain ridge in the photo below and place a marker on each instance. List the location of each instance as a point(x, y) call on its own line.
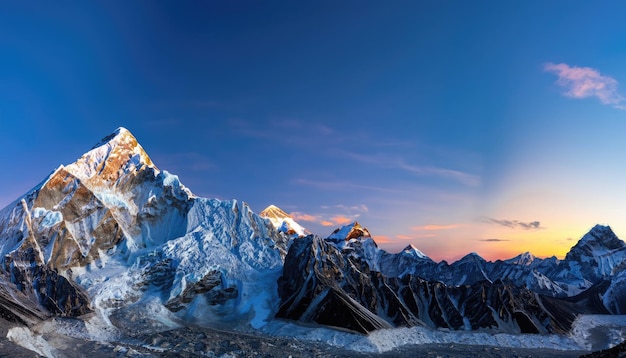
point(113, 235)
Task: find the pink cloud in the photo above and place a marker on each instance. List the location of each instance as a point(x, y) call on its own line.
point(303, 217)
point(583, 82)
point(382, 239)
point(434, 227)
point(341, 220)
point(335, 215)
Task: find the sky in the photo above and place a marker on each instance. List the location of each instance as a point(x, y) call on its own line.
point(493, 127)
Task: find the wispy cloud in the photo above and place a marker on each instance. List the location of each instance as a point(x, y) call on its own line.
point(493, 240)
point(336, 215)
point(462, 177)
point(341, 185)
point(298, 216)
point(513, 224)
point(435, 227)
point(382, 239)
point(341, 220)
point(288, 131)
point(583, 82)
point(388, 162)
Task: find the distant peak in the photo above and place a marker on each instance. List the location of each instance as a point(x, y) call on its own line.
point(527, 254)
point(601, 235)
point(523, 259)
point(283, 222)
point(472, 256)
point(274, 211)
point(350, 231)
point(601, 229)
point(412, 250)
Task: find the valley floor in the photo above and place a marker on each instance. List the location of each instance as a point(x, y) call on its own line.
point(204, 342)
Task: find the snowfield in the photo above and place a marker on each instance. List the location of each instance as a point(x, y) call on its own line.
point(50, 338)
point(591, 332)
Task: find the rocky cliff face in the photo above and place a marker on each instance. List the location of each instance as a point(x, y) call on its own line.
point(335, 285)
point(598, 256)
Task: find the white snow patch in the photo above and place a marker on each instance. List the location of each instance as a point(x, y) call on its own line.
point(590, 332)
point(24, 337)
point(49, 218)
point(596, 332)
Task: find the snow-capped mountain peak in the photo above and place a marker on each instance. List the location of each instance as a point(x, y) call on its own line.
point(471, 257)
point(601, 237)
point(283, 222)
point(412, 250)
point(117, 154)
point(274, 211)
point(524, 259)
point(350, 231)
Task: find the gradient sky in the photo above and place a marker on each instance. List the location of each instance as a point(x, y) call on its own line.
point(488, 126)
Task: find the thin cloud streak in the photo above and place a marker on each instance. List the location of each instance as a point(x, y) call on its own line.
point(298, 216)
point(339, 185)
point(513, 224)
point(464, 178)
point(435, 227)
point(493, 240)
point(337, 215)
point(583, 82)
point(287, 131)
point(398, 163)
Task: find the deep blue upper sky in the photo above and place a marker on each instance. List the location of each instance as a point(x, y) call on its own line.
point(438, 123)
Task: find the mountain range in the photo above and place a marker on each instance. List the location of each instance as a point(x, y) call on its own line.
point(113, 236)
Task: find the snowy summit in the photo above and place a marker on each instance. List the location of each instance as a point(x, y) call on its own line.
point(283, 222)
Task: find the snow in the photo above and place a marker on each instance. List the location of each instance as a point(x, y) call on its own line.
point(352, 230)
point(222, 237)
point(48, 218)
point(595, 332)
point(385, 340)
point(113, 199)
point(590, 332)
point(282, 222)
point(24, 337)
point(182, 239)
point(412, 250)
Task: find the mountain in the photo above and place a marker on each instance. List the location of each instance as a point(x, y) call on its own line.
point(125, 246)
point(283, 222)
point(598, 256)
point(112, 233)
point(332, 282)
point(593, 258)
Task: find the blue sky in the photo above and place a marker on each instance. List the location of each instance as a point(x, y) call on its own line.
point(456, 126)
